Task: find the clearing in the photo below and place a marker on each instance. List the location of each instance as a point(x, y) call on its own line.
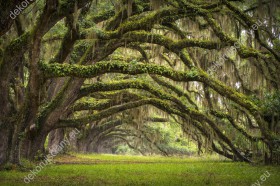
point(116, 170)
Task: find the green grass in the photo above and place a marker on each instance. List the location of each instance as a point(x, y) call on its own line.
point(137, 170)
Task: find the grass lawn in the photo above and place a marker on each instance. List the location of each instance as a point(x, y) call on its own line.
point(136, 170)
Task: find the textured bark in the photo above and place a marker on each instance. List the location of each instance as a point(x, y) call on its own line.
point(55, 137)
point(5, 139)
point(37, 144)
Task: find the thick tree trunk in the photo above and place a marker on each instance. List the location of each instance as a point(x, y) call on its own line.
point(55, 137)
point(5, 111)
point(90, 142)
point(5, 139)
point(25, 148)
point(82, 145)
point(95, 146)
point(37, 145)
point(15, 152)
point(73, 143)
point(15, 146)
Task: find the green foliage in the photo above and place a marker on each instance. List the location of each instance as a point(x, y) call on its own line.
point(125, 150)
point(78, 51)
point(171, 139)
point(270, 103)
point(7, 167)
point(25, 165)
point(276, 44)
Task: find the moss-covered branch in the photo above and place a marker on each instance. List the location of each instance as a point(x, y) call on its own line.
point(61, 70)
point(102, 114)
point(235, 125)
point(89, 71)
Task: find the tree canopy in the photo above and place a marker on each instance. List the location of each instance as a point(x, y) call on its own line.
point(116, 68)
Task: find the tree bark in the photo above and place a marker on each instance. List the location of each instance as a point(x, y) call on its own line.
point(55, 137)
point(37, 144)
point(5, 138)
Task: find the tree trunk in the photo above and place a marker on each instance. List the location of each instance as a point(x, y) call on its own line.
point(274, 157)
point(55, 137)
point(37, 145)
point(95, 146)
point(15, 147)
point(5, 139)
point(82, 145)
